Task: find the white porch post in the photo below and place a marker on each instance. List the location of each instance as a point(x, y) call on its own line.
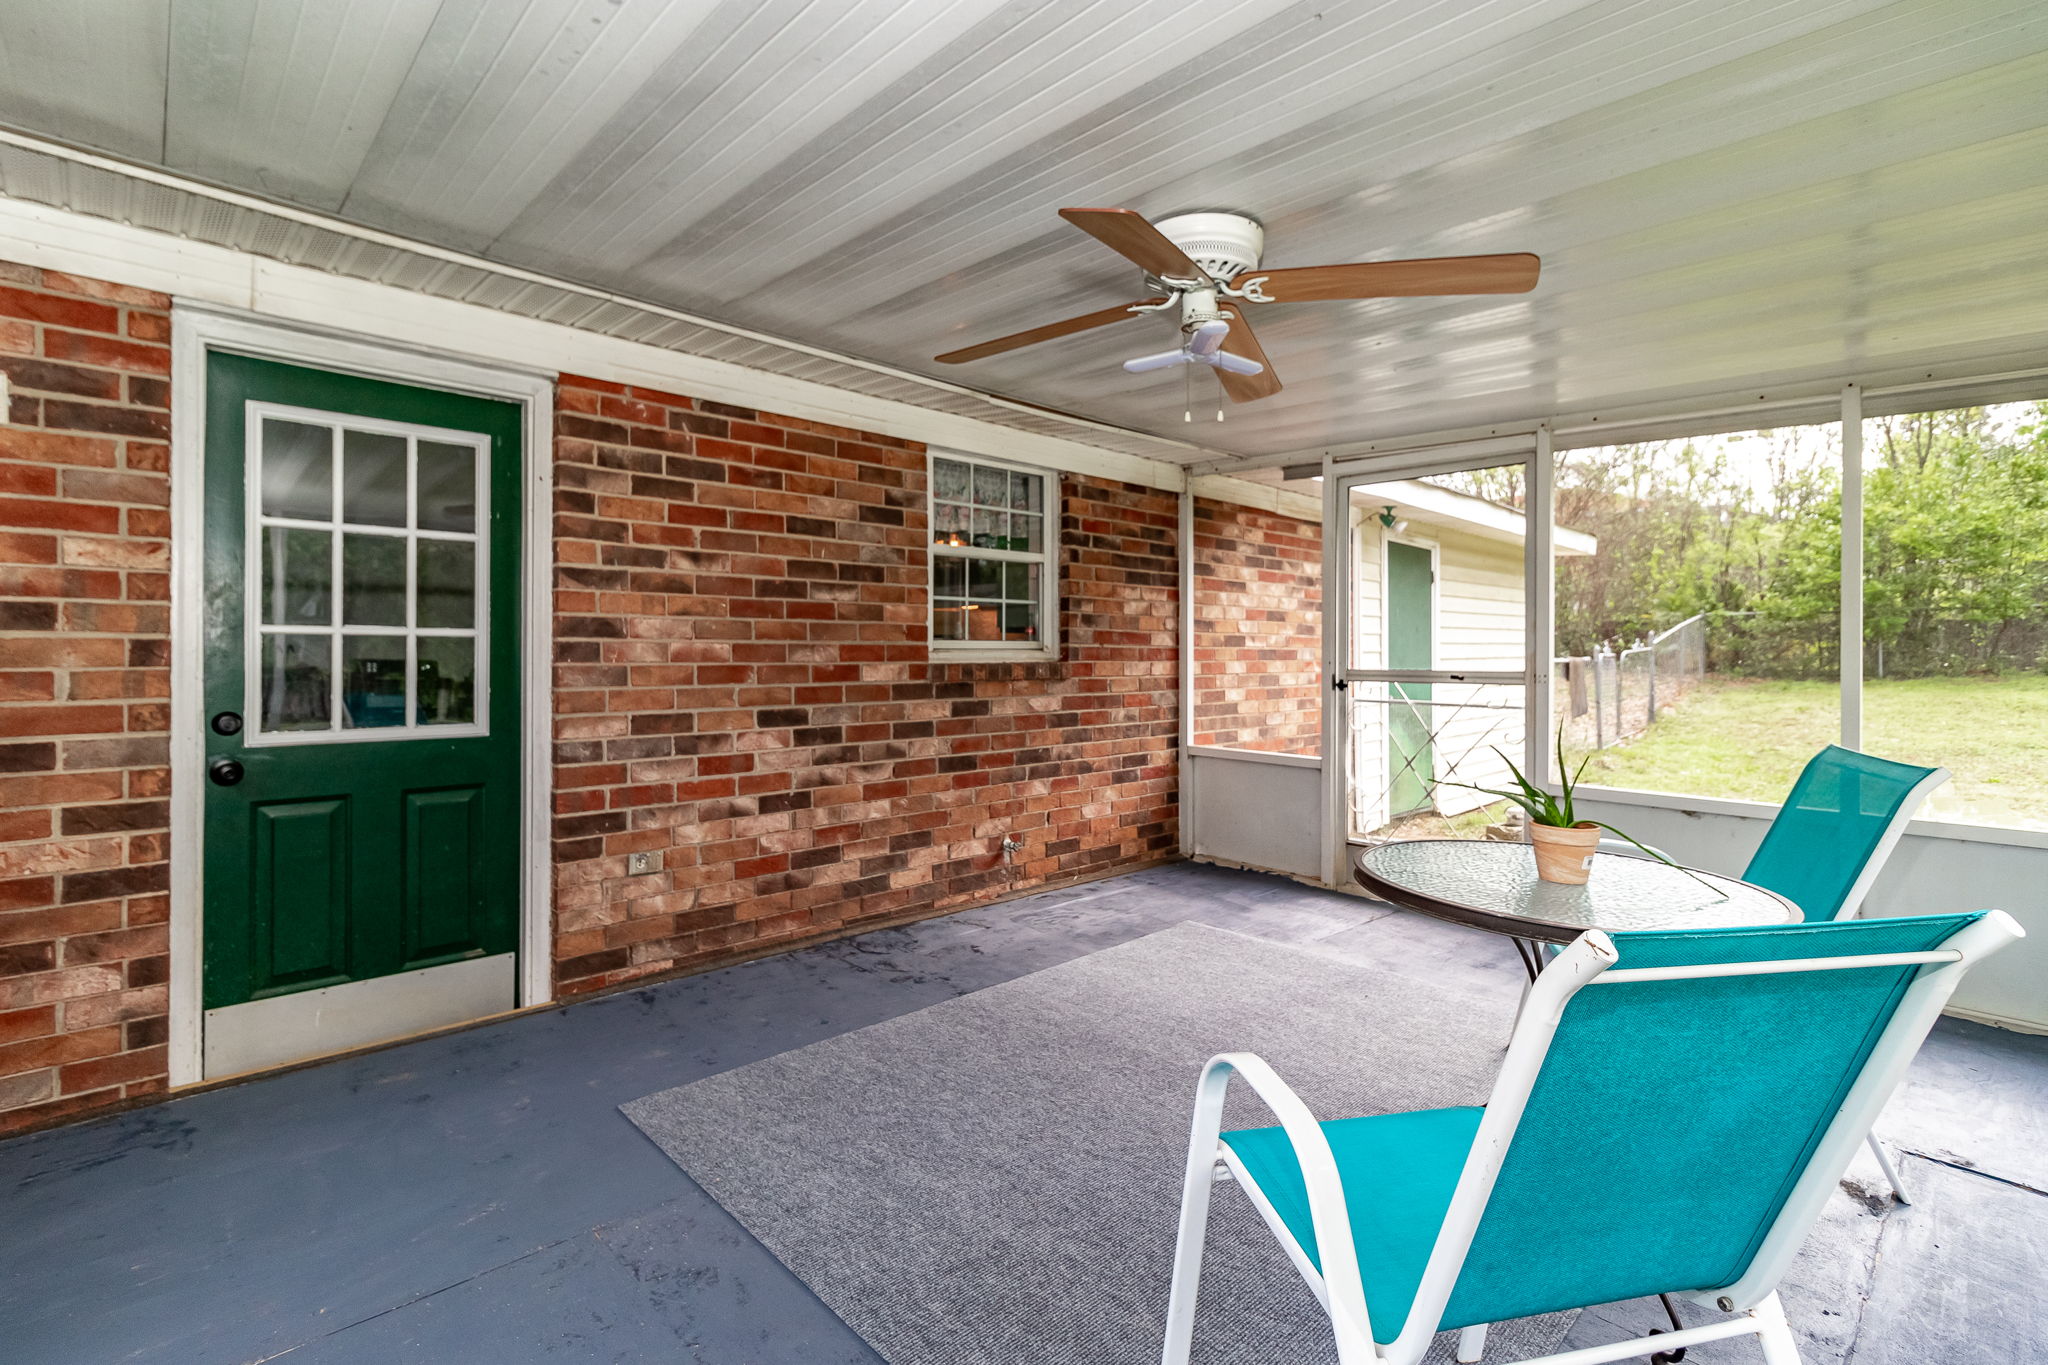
point(1187, 662)
point(1540, 593)
point(1852, 567)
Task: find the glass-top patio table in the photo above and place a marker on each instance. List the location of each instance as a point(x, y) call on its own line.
point(1493, 885)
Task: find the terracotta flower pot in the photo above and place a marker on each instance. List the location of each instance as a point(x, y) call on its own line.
point(1565, 855)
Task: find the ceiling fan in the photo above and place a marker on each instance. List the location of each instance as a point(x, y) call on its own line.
point(1206, 266)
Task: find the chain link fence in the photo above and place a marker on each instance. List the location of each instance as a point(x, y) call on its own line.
point(1611, 695)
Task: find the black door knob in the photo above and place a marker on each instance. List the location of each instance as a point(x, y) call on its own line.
point(225, 772)
point(227, 723)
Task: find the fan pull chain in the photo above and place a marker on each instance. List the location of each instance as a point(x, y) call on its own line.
point(1187, 391)
point(1219, 395)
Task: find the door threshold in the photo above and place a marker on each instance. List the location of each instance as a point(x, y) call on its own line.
point(283, 1029)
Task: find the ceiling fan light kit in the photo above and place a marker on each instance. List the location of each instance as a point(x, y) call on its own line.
point(1195, 262)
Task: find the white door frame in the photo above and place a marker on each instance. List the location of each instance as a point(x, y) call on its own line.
point(1339, 478)
point(197, 329)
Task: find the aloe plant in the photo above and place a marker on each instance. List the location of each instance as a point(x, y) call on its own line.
point(1559, 811)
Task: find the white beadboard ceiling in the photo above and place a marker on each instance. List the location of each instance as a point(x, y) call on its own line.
point(1727, 194)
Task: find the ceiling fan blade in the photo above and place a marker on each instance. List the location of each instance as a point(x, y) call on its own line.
point(1246, 388)
point(1126, 232)
point(1065, 327)
point(1510, 274)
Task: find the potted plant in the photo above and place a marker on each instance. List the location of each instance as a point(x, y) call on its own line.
point(1564, 843)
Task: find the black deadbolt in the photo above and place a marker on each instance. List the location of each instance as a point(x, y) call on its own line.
point(227, 723)
point(225, 772)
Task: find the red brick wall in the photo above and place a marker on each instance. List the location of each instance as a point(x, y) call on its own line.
point(1258, 629)
point(84, 642)
point(742, 688)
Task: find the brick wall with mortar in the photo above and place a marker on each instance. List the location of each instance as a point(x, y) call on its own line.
point(743, 688)
point(1258, 629)
point(84, 643)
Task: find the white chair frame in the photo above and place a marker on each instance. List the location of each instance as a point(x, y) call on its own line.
point(1586, 963)
point(1852, 902)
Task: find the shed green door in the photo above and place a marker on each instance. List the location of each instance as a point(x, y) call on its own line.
point(362, 670)
point(1411, 625)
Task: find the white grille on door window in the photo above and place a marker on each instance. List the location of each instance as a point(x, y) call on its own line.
point(368, 573)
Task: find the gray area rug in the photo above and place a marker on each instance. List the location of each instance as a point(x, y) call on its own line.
point(995, 1179)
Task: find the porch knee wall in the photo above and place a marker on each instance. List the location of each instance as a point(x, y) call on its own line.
point(741, 686)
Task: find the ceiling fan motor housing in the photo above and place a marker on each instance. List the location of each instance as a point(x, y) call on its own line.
point(1224, 244)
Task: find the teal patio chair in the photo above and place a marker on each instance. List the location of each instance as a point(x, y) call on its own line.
point(1569, 1188)
point(1831, 838)
point(1839, 824)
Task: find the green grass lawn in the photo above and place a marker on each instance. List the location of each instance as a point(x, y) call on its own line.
point(1745, 739)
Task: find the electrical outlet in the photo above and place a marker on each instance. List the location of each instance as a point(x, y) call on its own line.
point(640, 864)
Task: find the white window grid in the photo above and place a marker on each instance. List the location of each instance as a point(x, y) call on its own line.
point(256, 631)
point(1046, 646)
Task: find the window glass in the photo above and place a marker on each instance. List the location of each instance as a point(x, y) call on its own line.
point(372, 681)
point(447, 680)
point(298, 470)
point(296, 681)
point(373, 475)
point(447, 489)
point(1955, 606)
point(447, 583)
point(372, 580)
point(375, 624)
point(296, 571)
point(991, 555)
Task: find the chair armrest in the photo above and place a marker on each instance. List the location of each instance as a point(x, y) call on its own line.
point(1327, 1212)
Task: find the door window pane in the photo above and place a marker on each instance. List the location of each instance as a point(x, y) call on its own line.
point(373, 478)
point(447, 584)
point(372, 681)
point(297, 683)
point(447, 680)
point(447, 491)
point(298, 470)
point(294, 579)
point(372, 580)
point(337, 621)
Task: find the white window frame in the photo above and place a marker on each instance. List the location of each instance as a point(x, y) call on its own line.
point(1048, 555)
point(254, 631)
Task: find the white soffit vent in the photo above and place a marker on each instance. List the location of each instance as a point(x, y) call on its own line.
point(82, 182)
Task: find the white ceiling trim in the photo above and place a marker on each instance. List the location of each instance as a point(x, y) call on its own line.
point(585, 304)
point(199, 272)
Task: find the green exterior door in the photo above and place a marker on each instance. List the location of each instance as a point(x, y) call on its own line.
point(361, 643)
point(1411, 627)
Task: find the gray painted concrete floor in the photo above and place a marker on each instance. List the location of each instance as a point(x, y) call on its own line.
point(477, 1197)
